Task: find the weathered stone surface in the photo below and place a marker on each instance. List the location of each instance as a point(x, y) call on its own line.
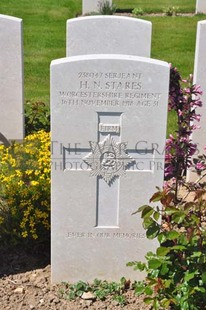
point(108, 35)
point(89, 6)
point(11, 78)
point(88, 296)
point(109, 116)
point(19, 290)
point(200, 6)
point(199, 135)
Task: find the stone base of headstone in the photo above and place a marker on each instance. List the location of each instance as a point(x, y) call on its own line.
point(200, 7)
point(89, 6)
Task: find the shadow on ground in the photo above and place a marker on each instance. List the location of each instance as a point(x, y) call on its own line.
point(19, 259)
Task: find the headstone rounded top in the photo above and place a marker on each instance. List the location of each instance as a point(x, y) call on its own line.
point(16, 19)
point(109, 57)
point(203, 22)
point(103, 34)
point(109, 18)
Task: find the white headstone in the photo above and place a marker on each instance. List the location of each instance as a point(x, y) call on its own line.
point(89, 6)
point(200, 6)
point(108, 35)
point(199, 135)
point(11, 78)
point(109, 117)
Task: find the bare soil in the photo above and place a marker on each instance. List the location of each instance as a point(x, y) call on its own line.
point(25, 284)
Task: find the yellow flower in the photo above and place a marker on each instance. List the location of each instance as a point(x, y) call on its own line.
point(20, 183)
point(34, 183)
point(24, 234)
point(24, 167)
point(1, 220)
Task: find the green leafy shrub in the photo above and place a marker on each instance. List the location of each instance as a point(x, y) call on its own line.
point(25, 189)
point(137, 11)
point(37, 117)
point(100, 289)
point(105, 8)
point(176, 273)
point(171, 10)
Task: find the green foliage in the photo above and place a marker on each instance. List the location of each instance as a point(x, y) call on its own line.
point(100, 289)
point(44, 39)
point(137, 11)
point(25, 190)
point(171, 10)
point(177, 50)
point(176, 273)
point(37, 117)
point(155, 6)
point(105, 8)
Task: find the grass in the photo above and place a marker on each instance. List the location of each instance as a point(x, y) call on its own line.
point(154, 6)
point(44, 22)
point(173, 40)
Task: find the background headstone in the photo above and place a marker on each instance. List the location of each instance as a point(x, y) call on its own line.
point(199, 135)
point(108, 35)
point(89, 6)
point(200, 6)
point(109, 115)
point(11, 78)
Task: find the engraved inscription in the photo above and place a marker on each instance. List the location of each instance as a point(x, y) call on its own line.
point(109, 75)
point(110, 89)
point(105, 235)
point(110, 128)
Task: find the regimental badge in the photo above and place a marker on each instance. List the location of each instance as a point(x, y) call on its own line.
point(108, 159)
